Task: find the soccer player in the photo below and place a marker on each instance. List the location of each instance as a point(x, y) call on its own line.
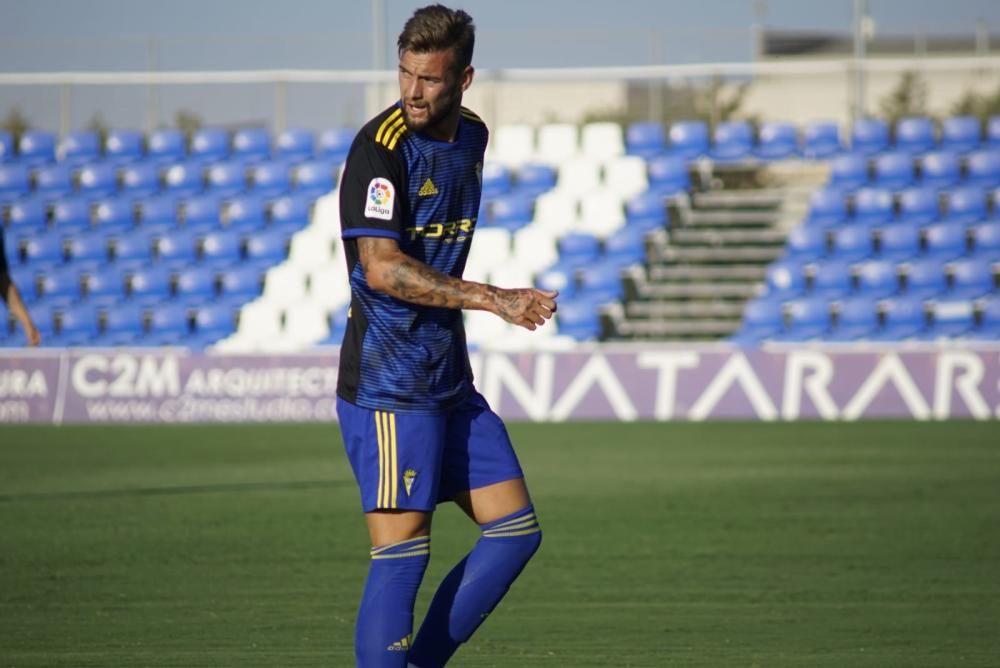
point(11, 296)
point(416, 431)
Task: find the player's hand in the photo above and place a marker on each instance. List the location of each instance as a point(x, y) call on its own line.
point(526, 307)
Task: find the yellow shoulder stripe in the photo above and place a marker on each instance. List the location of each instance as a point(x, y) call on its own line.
point(392, 137)
point(394, 117)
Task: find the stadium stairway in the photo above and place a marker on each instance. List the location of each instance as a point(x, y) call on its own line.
point(706, 264)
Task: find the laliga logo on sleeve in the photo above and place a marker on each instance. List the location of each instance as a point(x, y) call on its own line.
point(381, 196)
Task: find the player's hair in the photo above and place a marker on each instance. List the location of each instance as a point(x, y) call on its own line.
point(437, 28)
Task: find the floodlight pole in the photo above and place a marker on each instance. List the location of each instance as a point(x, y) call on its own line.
point(860, 21)
point(374, 96)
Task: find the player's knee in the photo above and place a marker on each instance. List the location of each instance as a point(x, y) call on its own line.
point(519, 531)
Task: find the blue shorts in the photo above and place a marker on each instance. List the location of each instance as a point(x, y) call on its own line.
point(413, 462)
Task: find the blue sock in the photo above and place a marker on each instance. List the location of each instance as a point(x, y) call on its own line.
point(474, 587)
point(384, 632)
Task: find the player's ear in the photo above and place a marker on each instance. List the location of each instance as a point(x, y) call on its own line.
point(467, 75)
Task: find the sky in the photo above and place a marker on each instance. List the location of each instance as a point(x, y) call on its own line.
point(126, 35)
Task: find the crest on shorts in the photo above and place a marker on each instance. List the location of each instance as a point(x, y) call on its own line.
point(408, 476)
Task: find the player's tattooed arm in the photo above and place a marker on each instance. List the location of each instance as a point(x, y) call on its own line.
point(391, 271)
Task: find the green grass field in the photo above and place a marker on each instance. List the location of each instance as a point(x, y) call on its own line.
point(844, 545)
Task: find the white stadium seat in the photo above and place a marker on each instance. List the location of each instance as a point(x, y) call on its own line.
point(626, 175)
point(306, 323)
point(329, 287)
point(534, 248)
point(556, 212)
point(602, 141)
point(313, 247)
point(285, 283)
point(602, 212)
point(579, 176)
point(557, 142)
point(512, 145)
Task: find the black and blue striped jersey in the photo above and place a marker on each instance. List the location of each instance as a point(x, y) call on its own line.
point(425, 194)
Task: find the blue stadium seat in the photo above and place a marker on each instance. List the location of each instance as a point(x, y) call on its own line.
point(778, 141)
point(559, 276)
point(853, 243)
point(961, 134)
point(578, 247)
point(252, 144)
point(924, 279)
point(53, 181)
point(134, 248)
point(79, 147)
point(914, 134)
point(645, 140)
point(203, 212)
point(827, 208)
point(36, 147)
point(807, 319)
point(869, 136)
point(291, 210)
point(267, 246)
point(177, 247)
point(60, 286)
point(196, 285)
point(966, 205)
point(98, 180)
point(940, 169)
point(497, 180)
point(971, 279)
point(806, 243)
point(534, 178)
point(334, 144)
point(986, 241)
point(872, 207)
point(271, 179)
point(241, 283)
point(15, 182)
point(71, 215)
point(918, 206)
point(159, 211)
point(222, 248)
point(114, 215)
point(79, 324)
point(124, 324)
point(668, 175)
point(646, 210)
point(849, 171)
point(513, 211)
point(295, 145)
point(895, 170)
point(44, 317)
point(945, 241)
point(150, 285)
point(210, 144)
point(123, 146)
point(44, 249)
point(983, 168)
point(7, 153)
point(316, 178)
point(213, 322)
point(167, 146)
point(228, 178)
point(762, 319)
point(898, 241)
point(993, 131)
point(903, 318)
point(951, 318)
point(105, 284)
point(989, 325)
point(821, 140)
point(857, 318)
point(689, 139)
point(877, 279)
point(184, 179)
point(579, 319)
point(831, 278)
point(28, 215)
point(732, 140)
point(627, 245)
point(141, 179)
point(169, 324)
point(785, 280)
point(92, 248)
point(601, 281)
point(246, 212)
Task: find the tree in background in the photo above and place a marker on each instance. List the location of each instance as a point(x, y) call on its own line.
point(981, 105)
point(908, 98)
point(16, 123)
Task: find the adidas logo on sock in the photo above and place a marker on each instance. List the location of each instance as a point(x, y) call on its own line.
point(401, 645)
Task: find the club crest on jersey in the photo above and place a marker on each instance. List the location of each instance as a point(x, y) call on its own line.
point(381, 199)
point(408, 476)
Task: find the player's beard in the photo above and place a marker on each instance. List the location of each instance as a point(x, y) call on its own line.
point(433, 123)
